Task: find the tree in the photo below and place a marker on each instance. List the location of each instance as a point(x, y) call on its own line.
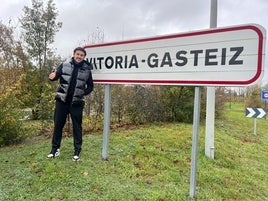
point(39, 28)
point(11, 67)
point(254, 97)
point(12, 60)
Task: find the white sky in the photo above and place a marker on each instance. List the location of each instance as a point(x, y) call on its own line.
point(128, 19)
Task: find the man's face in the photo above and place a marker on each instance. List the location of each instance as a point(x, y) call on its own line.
point(79, 56)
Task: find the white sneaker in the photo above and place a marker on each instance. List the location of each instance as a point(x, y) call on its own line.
point(76, 158)
point(53, 155)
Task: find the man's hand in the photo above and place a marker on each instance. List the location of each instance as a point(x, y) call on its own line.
point(52, 75)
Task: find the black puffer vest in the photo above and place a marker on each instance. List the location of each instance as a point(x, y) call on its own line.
point(65, 79)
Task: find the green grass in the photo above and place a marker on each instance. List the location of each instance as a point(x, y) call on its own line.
point(149, 162)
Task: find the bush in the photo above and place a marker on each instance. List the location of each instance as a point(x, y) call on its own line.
point(11, 130)
point(139, 104)
point(254, 99)
point(45, 105)
point(92, 123)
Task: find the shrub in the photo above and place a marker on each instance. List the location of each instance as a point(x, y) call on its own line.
point(139, 104)
point(11, 130)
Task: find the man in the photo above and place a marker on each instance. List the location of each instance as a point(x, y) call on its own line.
point(75, 83)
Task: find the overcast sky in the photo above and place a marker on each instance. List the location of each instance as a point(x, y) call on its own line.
point(129, 19)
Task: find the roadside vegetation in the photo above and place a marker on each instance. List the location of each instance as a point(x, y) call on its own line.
point(148, 162)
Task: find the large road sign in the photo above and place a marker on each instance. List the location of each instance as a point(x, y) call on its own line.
point(229, 56)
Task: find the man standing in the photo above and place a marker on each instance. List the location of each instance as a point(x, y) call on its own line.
point(75, 83)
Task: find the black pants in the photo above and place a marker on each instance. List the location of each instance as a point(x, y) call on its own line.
point(60, 115)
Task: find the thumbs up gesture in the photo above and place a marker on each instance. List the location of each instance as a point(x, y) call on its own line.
point(52, 75)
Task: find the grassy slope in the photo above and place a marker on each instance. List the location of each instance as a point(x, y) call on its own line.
point(145, 163)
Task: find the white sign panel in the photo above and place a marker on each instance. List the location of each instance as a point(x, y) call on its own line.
point(229, 56)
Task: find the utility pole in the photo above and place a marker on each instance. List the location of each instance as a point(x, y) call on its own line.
point(210, 107)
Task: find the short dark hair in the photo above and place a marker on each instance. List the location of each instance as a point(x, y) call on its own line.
point(80, 49)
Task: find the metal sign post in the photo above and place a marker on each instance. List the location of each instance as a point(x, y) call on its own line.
point(255, 126)
point(196, 120)
point(106, 122)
